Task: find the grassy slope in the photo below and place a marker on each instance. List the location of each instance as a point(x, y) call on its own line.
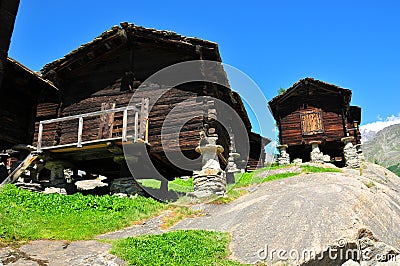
point(28, 215)
point(187, 247)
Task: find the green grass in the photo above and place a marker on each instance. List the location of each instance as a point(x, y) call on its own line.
point(309, 169)
point(26, 215)
point(395, 169)
point(150, 183)
point(177, 213)
point(188, 247)
point(370, 184)
point(178, 184)
point(181, 185)
point(246, 179)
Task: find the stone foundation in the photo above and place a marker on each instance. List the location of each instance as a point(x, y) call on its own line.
point(298, 161)
point(211, 179)
point(232, 168)
point(284, 157)
point(360, 153)
point(35, 187)
point(326, 158)
point(126, 186)
point(316, 155)
point(350, 153)
point(208, 185)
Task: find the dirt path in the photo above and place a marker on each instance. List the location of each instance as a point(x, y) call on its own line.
point(303, 212)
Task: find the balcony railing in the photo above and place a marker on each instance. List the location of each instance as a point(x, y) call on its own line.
point(124, 136)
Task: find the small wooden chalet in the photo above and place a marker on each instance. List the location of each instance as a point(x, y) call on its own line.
point(86, 123)
point(312, 111)
point(20, 92)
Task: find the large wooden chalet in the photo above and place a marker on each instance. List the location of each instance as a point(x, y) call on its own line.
point(312, 111)
point(103, 75)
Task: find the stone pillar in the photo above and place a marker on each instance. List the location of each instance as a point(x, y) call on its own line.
point(232, 167)
point(360, 153)
point(57, 178)
point(316, 155)
point(211, 179)
point(284, 158)
point(126, 184)
point(298, 161)
point(350, 153)
point(58, 182)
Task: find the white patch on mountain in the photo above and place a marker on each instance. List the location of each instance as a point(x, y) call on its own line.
point(369, 131)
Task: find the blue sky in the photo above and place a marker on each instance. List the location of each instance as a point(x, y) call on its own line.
point(353, 44)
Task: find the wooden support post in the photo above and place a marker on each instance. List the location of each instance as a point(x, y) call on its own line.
point(106, 121)
point(146, 136)
point(125, 125)
point(40, 133)
point(144, 115)
point(135, 137)
point(80, 129)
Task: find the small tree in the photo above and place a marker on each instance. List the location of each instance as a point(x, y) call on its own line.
point(281, 91)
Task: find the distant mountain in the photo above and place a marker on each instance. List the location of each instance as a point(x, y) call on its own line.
point(368, 131)
point(384, 148)
point(367, 134)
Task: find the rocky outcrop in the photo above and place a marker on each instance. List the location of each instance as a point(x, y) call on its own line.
point(364, 250)
point(309, 212)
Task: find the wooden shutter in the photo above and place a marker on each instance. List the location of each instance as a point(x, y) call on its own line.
point(311, 123)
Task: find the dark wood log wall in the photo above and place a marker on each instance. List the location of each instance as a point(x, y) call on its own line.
point(66, 132)
point(20, 92)
point(8, 13)
point(291, 131)
point(15, 118)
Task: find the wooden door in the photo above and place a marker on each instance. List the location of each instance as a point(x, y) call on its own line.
point(311, 123)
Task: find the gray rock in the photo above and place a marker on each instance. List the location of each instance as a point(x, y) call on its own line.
point(316, 155)
point(126, 185)
point(52, 190)
point(90, 184)
point(351, 263)
point(297, 161)
point(351, 156)
point(310, 211)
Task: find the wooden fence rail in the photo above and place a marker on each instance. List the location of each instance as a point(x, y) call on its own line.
point(80, 129)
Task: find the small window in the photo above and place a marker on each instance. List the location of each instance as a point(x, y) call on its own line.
point(311, 123)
